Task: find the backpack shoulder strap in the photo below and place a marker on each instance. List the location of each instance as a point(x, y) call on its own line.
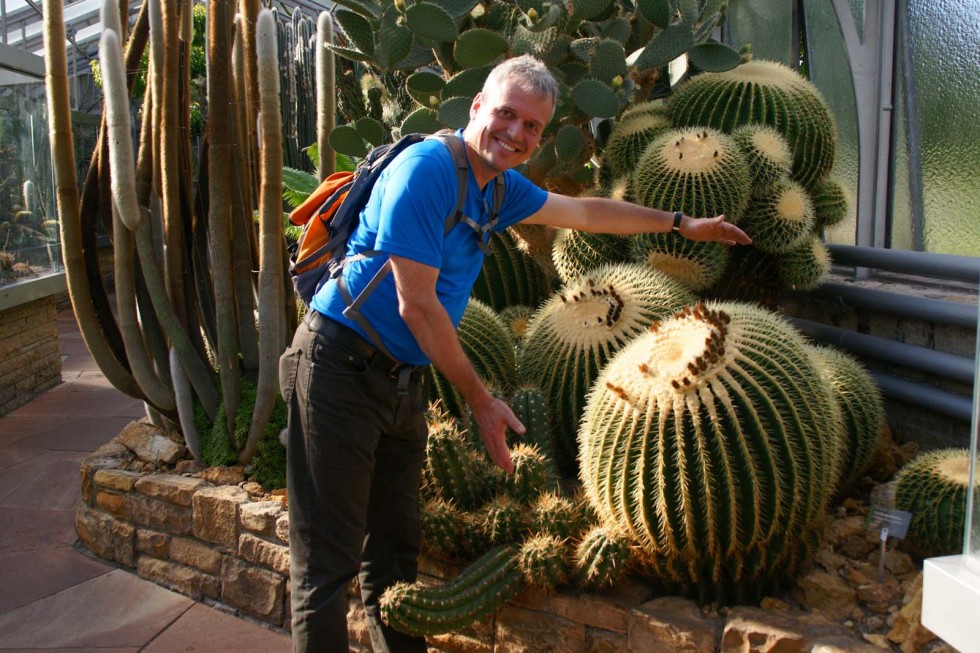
point(462, 167)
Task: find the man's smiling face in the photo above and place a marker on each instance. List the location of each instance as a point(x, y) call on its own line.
point(505, 126)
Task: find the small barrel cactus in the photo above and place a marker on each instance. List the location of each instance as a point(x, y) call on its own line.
point(766, 153)
point(860, 401)
point(576, 331)
point(543, 560)
point(432, 610)
point(830, 202)
point(453, 469)
point(699, 171)
point(707, 441)
point(603, 557)
point(629, 137)
point(933, 487)
point(804, 266)
point(552, 514)
point(575, 253)
point(780, 218)
point(697, 266)
point(768, 93)
point(503, 520)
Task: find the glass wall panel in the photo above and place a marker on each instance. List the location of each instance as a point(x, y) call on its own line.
point(29, 240)
point(902, 223)
point(972, 547)
point(831, 73)
point(944, 37)
point(767, 25)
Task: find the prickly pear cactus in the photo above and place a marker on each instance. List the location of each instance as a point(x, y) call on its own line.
point(706, 440)
point(768, 93)
point(933, 487)
point(696, 265)
point(699, 171)
point(576, 331)
point(780, 218)
point(575, 252)
point(860, 401)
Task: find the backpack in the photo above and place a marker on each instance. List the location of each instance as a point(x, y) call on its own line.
point(332, 212)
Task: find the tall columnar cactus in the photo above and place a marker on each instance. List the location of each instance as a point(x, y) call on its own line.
point(863, 411)
point(710, 442)
point(576, 331)
point(476, 593)
point(699, 171)
point(768, 93)
point(510, 276)
point(696, 265)
point(934, 487)
point(575, 253)
point(780, 218)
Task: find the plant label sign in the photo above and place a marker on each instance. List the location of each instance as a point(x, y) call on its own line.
point(891, 521)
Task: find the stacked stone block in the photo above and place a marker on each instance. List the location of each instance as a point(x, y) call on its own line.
point(30, 361)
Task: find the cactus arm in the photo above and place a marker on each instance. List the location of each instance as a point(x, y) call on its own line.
point(249, 10)
point(68, 203)
point(476, 593)
point(270, 235)
point(184, 396)
point(326, 106)
point(220, 168)
point(126, 217)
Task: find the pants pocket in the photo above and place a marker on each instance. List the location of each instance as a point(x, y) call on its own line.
point(288, 367)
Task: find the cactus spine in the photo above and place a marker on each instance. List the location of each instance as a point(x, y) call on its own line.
point(706, 440)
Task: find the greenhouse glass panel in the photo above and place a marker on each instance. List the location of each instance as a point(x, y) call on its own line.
point(830, 71)
point(768, 26)
point(29, 239)
point(944, 37)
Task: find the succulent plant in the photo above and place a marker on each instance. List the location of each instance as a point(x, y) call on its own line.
point(442, 527)
point(830, 202)
point(768, 93)
point(510, 276)
point(806, 265)
point(532, 474)
point(543, 560)
point(780, 218)
point(933, 487)
point(766, 153)
point(454, 470)
point(696, 265)
point(575, 253)
point(430, 610)
point(603, 557)
point(707, 441)
point(530, 406)
point(860, 401)
point(503, 520)
point(576, 331)
point(516, 319)
point(555, 515)
point(630, 137)
point(699, 171)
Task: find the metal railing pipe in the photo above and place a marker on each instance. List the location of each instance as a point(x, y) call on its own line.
point(924, 264)
point(959, 407)
point(922, 359)
point(920, 308)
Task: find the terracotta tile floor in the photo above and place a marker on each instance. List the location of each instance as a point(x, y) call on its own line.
point(54, 597)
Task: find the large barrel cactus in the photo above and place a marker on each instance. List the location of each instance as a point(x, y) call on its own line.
point(696, 265)
point(699, 171)
point(510, 276)
point(933, 487)
point(768, 93)
point(576, 331)
point(714, 443)
point(576, 252)
point(630, 137)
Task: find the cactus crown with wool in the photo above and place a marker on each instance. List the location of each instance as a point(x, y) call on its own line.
point(699, 171)
point(696, 265)
point(933, 487)
point(766, 153)
point(576, 331)
point(707, 441)
point(780, 218)
point(768, 93)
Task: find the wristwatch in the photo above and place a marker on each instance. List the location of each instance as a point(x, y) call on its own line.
point(678, 216)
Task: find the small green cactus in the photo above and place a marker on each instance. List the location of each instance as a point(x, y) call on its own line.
point(576, 331)
point(442, 527)
point(456, 471)
point(767, 154)
point(555, 515)
point(830, 202)
point(575, 253)
point(504, 519)
point(530, 406)
point(699, 171)
point(805, 266)
point(696, 265)
point(780, 218)
point(532, 474)
point(630, 137)
point(510, 276)
point(543, 560)
point(477, 592)
point(934, 487)
point(603, 557)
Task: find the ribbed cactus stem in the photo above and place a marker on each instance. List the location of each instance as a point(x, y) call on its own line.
point(602, 557)
point(454, 466)
point(476, 593)
point(184, 400)
point(531, 408)
point(934, 487)
point(503, 520)
point(270, 235)
point(442, 526)
point(326, 94)
point(532, 474)
point(555, 515)
point(543, 560)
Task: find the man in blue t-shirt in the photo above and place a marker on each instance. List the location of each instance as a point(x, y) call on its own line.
point(356, 427)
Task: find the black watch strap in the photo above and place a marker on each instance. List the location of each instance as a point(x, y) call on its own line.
point(678, 216)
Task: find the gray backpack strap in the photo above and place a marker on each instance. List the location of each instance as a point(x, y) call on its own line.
point(462, 165)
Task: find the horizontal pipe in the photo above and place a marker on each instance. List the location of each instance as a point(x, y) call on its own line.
point(920, 308)
point(959, 407)
point(925, 264)
point(923, 359)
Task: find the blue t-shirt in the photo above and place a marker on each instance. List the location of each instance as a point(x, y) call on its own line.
point(406, 216)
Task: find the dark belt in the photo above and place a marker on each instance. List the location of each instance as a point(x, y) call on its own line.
point(347, 337)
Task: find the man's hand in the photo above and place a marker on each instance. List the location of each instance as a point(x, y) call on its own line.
point(714, 229)
point(492, 417)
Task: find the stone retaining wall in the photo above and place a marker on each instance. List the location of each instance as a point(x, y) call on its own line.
point(30, 362)
point(228, 543)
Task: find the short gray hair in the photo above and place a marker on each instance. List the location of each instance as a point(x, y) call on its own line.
point(529, 73)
